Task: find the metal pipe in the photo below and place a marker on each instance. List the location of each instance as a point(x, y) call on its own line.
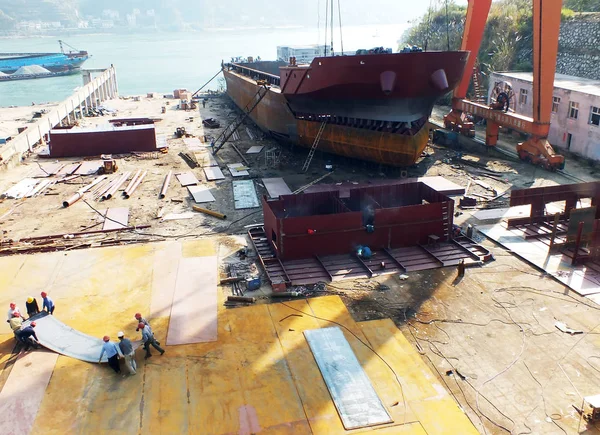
point(133, 180)
point(165, 186)
point(209, 212)
point(102, 193)
point(79, 194)
point(118, 184)
point(135, 186)
point(73, 199)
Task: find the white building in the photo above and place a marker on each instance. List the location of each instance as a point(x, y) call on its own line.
point(575, 123)
point(302, 53)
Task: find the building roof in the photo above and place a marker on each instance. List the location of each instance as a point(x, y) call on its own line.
point(562, 81)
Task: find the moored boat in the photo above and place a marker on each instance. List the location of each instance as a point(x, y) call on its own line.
point(54, 62)
point(371, 107)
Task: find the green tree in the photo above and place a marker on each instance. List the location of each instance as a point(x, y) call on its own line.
point(583, 5)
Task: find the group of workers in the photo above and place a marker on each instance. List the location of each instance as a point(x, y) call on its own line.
point(124, 349)
point(27, 335)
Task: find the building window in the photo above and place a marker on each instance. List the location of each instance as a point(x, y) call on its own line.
point(523, 96)
point(555, 104)
point(595, 115)
point(573, 110)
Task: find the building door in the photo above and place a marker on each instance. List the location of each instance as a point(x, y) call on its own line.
point(569, 139)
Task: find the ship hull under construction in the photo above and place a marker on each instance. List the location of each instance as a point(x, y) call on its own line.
point(363, 140)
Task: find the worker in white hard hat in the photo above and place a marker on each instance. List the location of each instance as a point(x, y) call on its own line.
point(128, 352)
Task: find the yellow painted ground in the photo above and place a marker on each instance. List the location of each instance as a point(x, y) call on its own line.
point(259, 377)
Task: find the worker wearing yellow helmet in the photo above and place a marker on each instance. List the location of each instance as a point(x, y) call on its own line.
point(32, 306)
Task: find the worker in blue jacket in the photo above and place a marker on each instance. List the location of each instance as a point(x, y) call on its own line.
point(112, 353)
point(48, 303)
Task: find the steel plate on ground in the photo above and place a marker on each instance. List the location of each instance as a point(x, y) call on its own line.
point(187, 179)
point(201, 194)
point(213, 173)
point(56, 336)
point(116, 218)
point(254, 149)
point(237, 170)
point(351, 390)
point(276, 187)
point(244, 194)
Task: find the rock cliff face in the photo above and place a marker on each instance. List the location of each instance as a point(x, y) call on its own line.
point(579, 47)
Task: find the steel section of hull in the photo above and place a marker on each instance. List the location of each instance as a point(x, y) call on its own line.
point(273, 115)
point(360, 77)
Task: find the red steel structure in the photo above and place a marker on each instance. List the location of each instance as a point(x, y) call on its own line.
point(322, 223)
point(552, 229)
point(107, 139)
point(546, 27)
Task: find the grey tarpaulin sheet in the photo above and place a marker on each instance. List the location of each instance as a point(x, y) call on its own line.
point(60, 338)
point(353, 395)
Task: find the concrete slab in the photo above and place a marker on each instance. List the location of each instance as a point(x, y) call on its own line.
point(255, 149)
point(276, 187)
point(194, 308)
point(24, 390)
point(201, 194)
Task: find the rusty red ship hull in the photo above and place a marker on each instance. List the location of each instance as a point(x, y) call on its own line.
point(382, 118)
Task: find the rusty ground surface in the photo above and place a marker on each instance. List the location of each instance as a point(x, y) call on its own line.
point(509, 368)
point(258, 377)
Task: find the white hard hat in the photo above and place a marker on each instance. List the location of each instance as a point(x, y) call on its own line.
point(120, 334)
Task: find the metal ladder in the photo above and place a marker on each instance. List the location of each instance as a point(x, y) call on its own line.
point(311, 153)
point(228, 132)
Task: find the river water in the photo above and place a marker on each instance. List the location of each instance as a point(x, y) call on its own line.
point(161, 62)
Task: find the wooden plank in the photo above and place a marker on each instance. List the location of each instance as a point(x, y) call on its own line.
point(213, 173)
point(276, 187)
point(24, 390)
point(116, 218)
point(235, 170)
point(201, 194)
point(187, 178)
point(244, 194)
point(351, 390)
point(194, 308)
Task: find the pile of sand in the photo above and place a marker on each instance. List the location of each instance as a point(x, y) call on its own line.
point(31, 69)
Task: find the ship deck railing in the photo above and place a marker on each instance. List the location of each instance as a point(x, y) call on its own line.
point(272, 79)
